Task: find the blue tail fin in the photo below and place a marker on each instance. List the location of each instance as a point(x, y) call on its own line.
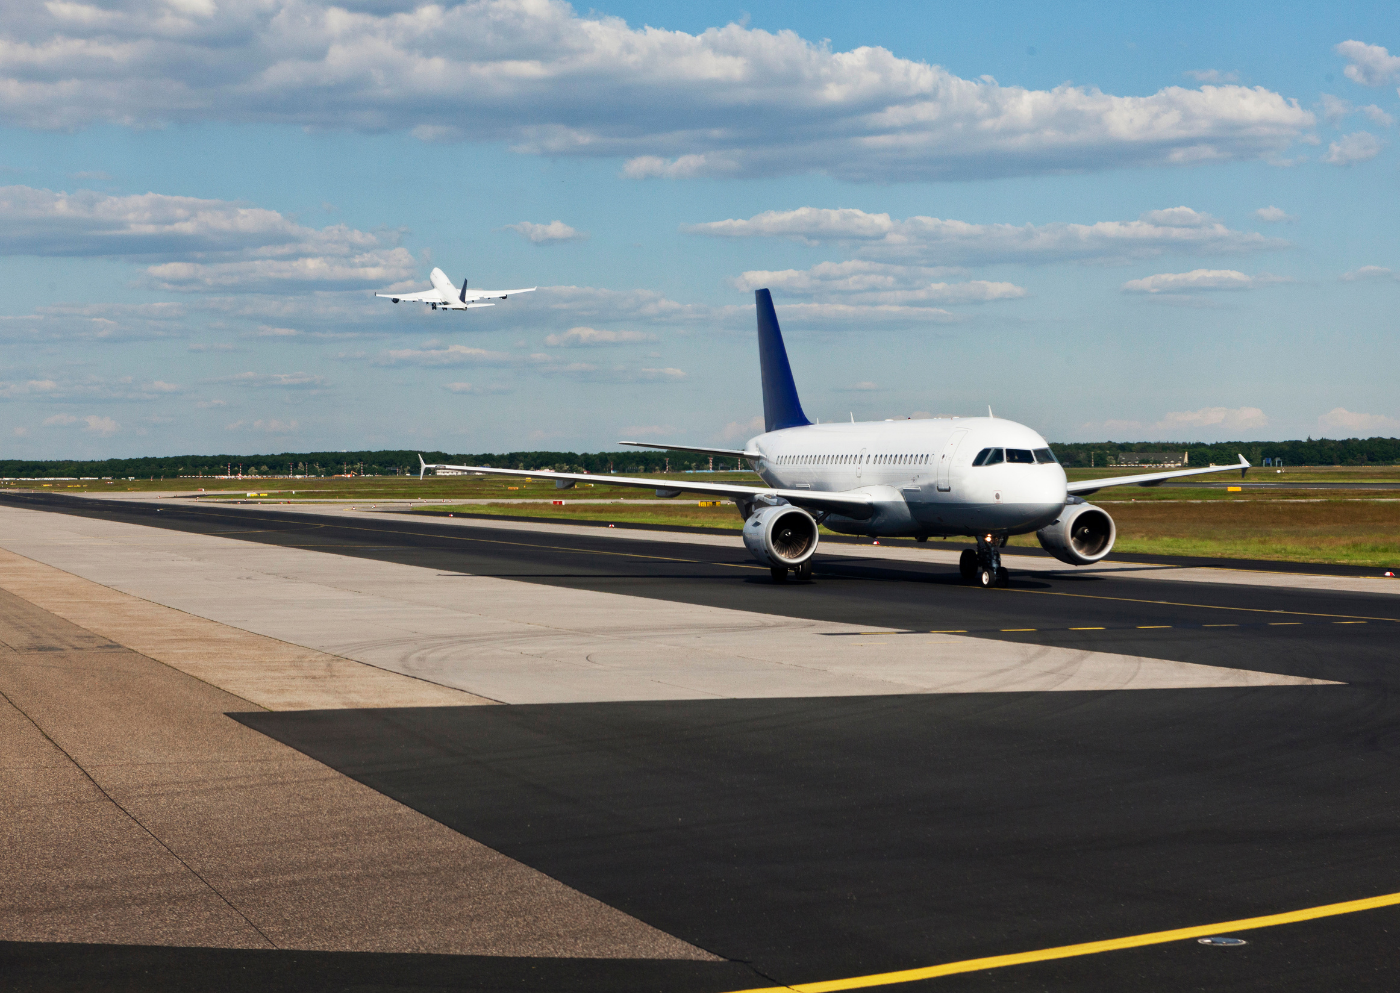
point(781, 408)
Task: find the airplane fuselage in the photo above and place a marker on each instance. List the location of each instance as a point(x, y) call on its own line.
point(923, 475)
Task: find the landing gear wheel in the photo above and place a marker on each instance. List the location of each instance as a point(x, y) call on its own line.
point(1003, 577)
point(967, 565)
point(985, 578)
point(804, 571)
point(921, 537)
point(779, 573)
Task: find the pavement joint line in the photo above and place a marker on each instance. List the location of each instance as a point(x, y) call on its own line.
point(1085, 948)
point(137, 821)
point(1200, 606)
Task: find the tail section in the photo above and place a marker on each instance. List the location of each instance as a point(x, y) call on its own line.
point(781, 408)
point(463, 295)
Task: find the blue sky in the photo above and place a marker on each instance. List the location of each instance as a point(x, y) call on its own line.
point(1175, 223)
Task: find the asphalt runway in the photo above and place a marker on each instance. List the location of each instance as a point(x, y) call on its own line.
point(818, 839)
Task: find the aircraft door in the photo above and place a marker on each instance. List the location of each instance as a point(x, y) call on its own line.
point(859, 463)
point(945, 461)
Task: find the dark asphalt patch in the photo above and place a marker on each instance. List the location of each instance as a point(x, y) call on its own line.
point(818, 839)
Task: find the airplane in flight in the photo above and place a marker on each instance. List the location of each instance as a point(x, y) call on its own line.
point(981, 477)
point(445, 296)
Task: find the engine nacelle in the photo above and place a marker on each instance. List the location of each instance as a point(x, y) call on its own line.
point(783, 536)
point(1082, 535)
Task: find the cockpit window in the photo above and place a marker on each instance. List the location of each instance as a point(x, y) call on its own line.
point(1043, 455)
point(988, 456)
point(1022, 455)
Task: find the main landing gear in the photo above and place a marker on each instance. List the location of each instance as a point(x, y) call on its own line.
point(802, 573)
point(983, 567)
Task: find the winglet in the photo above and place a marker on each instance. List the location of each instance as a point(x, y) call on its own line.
point(781, 407)
point(422, 466)
point(1244, 464)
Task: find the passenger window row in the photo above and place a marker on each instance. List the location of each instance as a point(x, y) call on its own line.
point(891, 459)
point(996, 456)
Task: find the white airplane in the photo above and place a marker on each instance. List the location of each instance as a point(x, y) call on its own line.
point(445, 296)
point(982, 477)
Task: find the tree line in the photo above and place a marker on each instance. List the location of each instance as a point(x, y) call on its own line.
point(1312, 451)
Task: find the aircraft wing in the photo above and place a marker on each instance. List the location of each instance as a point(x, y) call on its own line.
point(471, 295)
point(427, 296)
point(857, 505)
point(728, 453)
point(1150, 478)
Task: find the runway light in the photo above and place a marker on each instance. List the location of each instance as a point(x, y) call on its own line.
point(1222, 942)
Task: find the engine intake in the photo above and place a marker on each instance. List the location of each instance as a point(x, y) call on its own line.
point(781, 537)
point(1082, 535)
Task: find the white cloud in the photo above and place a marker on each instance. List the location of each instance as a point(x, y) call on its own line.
point(874, 283)
point(438, 354)
point(547, 234)
point(194, 244)
point(1341, 419)
point(275, 380)
point(474, 388)
point(544, 80)
point(1229, 418)
point(1334, 108)
point(1377, 115)
point(102, 426)
point(1181, 424)
point(1371, 65)
point(1273, 215)
point(1199, 279)
point(274, 426)
point(1367, 272)
point(865, 386)
point(1212, 76)
point(122, 388)
point(585, 336)
point(932, 240)
point(736, 430)
point(1356, 147)
point(668, 373)
point(59, 420)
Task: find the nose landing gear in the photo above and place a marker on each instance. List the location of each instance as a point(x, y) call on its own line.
point(983, 567)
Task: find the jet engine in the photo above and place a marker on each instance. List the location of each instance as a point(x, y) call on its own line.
point(1082, 535)
point(781, 537)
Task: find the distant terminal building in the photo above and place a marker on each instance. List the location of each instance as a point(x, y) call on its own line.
point(1154, 460)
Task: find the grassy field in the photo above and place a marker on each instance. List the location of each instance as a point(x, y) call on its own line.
point(1358, 527)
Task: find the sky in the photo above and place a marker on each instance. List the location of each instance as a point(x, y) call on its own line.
point(1172, 222)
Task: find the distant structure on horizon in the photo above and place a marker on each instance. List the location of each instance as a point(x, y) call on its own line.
point(1154, 460)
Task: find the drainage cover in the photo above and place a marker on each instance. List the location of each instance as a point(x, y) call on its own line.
point(1222, 942)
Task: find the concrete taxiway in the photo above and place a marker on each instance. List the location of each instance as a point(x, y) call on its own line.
point(699, 780)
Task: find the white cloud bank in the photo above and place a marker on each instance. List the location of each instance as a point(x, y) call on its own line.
point(1369, 272)
point(1200, 279)
point(1341, 419)
point(192, 244)
point(1182, 424)
point(586, 337)
point(875, 283)
point(1355, 147)
point(1274, 215)
point(1371, 65)
point(547, 234)
point(536, 75)
point(933, 240)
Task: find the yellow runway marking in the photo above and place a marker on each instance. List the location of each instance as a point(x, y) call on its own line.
point(1087, 948)
point(1152, 627)
point(1088, 629)
point(955, 631)
point(1348, 622)
point(1018, 629)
